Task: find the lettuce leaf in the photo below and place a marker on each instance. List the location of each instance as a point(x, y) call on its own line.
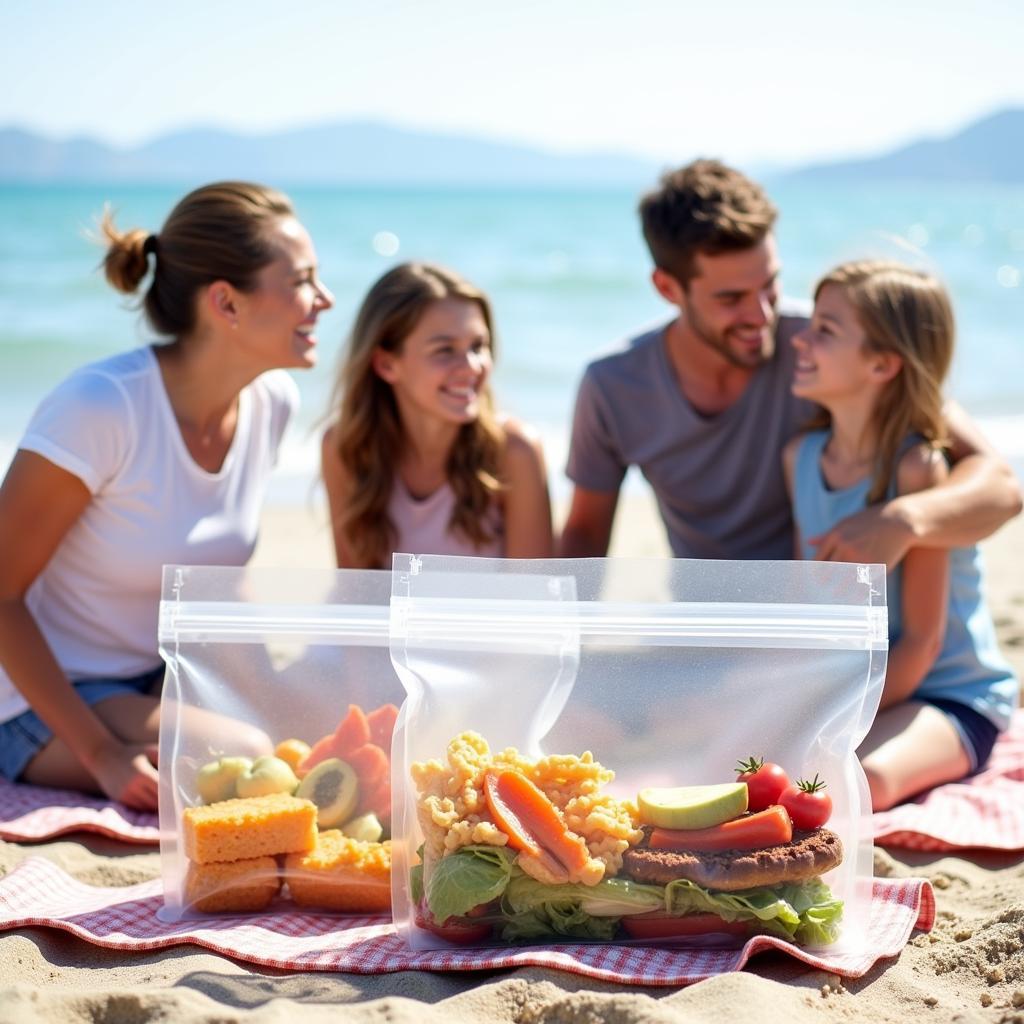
point(564, 920)
point(416, 883)
point(806, 912)
point(533, 910)
point(611, 897)
point(468, 878)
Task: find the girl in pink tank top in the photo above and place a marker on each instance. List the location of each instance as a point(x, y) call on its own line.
point(415, 458)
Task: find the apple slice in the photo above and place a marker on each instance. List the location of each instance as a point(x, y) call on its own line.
point(267, 775)
point(216, 781)
point(692, 806)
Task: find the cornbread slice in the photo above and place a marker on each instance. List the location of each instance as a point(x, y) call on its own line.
point(233, 885)
point(341, 874)
point(255, 826)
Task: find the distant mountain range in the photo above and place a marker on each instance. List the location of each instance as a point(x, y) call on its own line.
point(351, 153)
point(990, 150)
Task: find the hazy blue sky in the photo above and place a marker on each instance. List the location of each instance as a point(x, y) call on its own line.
point(757, 80)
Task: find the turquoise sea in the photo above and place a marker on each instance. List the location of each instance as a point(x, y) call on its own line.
point(566, 269)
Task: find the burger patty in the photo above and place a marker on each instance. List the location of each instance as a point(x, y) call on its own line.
point(808, 855)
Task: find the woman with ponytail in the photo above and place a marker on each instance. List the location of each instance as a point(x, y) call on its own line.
point(416, 457)
point(157, 455)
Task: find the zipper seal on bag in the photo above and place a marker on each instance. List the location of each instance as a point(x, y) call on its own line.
point(467, 623)
point(236, 621)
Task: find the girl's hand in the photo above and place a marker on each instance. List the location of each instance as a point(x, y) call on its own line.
point(127, 773)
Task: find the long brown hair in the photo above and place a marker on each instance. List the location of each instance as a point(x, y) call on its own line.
point(219, 232)
point(367, 428)
point(907, 312)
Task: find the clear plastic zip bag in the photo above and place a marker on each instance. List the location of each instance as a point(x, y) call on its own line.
point(276, 722)
point(566, 760)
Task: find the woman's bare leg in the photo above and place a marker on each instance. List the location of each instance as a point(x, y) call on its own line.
point(910, 747)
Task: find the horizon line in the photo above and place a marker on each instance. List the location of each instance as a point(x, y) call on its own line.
point(767, 164)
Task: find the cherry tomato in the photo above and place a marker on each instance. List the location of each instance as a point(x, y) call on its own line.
point(460, 931)
point(807, 804)
point(659, 925)
point(765, 782)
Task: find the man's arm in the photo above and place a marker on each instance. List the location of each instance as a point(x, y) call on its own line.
point(588, 527)
point(980, 495)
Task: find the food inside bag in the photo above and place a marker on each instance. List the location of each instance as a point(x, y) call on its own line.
point(691, 778)
point(279, 708)
point(539, 849)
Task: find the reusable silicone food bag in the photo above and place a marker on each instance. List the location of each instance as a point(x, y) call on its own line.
point(668, 673)
point(275, 739)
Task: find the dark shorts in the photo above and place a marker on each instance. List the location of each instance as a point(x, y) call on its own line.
point(23, 736)
point(977, 734)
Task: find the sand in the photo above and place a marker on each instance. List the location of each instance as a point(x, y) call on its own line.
point(969, 969)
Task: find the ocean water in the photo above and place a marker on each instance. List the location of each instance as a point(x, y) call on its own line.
point(567, 272)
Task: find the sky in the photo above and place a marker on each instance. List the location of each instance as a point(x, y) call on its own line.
point(770, 82)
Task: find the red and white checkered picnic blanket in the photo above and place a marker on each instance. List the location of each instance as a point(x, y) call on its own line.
point(38, 893)
point(985, 811)
point(31, 813)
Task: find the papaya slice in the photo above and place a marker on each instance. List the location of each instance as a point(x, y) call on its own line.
point(370, 764)
point(377, 801)
point(320, 751)
point(374, 772)
point(382, 724)
point(353, 731)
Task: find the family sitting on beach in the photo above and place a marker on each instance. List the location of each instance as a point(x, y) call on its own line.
point(763, 434)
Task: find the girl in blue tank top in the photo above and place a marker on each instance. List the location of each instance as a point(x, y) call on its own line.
point(874, 357)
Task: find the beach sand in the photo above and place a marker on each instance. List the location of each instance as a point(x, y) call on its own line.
point(969, 969)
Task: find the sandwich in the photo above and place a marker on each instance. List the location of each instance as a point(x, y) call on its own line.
point(729, 871)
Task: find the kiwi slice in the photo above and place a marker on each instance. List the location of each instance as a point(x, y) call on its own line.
point(332, 785)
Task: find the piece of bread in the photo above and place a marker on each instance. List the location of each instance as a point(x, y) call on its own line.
point(238, 885)
point(256, 826)
point(341, 874)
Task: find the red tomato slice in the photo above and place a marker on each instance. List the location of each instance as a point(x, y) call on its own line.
point(460, 931)
point(659, 925)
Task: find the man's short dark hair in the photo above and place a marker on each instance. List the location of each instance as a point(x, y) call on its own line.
point(704, 207)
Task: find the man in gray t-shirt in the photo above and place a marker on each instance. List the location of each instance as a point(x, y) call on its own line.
point(703, 405)
point(717, 479)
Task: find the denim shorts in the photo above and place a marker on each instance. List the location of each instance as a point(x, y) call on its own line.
point(977, 734)
point(23, 736)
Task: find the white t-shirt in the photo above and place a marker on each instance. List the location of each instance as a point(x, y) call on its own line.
point(111, 425)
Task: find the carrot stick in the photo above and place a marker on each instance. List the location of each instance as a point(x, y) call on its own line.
point(532, 823)
point(769, 827)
